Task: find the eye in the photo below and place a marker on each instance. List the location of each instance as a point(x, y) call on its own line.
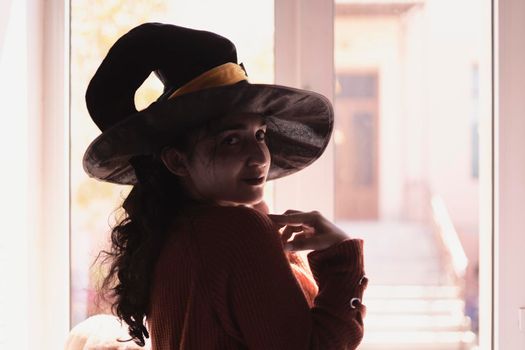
point(260, 135)
point(231, 140)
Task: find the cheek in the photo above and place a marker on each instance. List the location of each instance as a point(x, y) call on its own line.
point(228, 162)
point(267, 154)
point(214, 175)
point(201, 170)
point(225, 172)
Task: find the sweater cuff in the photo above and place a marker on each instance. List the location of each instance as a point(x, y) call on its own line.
point(345, 257)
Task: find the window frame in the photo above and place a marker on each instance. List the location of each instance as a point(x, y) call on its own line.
point(50, 320)
point(508, 171)
point(303, 27)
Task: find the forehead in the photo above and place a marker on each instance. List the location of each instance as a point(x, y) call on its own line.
point(236, 121)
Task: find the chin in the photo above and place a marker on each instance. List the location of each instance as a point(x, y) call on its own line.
point(246, 199)
point(250, 202)
point(255, 198)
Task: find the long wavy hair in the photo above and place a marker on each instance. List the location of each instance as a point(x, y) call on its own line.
point(137, 238)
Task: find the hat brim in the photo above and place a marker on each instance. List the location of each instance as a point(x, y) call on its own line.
point(299, 125)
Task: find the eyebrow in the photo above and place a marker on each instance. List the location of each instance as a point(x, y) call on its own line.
point(236, 126)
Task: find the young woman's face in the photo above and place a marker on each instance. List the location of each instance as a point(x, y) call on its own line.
point(229, 166)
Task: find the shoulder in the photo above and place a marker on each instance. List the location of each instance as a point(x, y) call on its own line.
point(233, 228)
point(228, 218)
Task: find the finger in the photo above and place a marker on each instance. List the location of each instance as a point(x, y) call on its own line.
point(292, 211)
point(299, 242)
point(279, 227)
point(300, 237)
point(302, 241)
point(308, 231)
point(294, 218)
point(289, 231)
point(282, 221)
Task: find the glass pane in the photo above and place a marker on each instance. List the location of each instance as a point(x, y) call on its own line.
point(95, 26)
point(407, 114)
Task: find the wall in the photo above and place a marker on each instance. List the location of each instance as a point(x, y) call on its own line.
point(372, 43)
point(425, 59)
point(509, 57)
point(453, 46)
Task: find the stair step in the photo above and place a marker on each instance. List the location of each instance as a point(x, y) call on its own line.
point(414, 306)
point(416, 323)
point(418, 340)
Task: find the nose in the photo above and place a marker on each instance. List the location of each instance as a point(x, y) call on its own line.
point(258, 154)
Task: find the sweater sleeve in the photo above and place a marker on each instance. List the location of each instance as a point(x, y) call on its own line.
point(256, 297)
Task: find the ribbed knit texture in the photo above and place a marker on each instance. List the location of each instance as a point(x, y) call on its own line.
point(223, 281)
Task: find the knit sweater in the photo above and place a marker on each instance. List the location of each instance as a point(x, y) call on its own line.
point(223, 281)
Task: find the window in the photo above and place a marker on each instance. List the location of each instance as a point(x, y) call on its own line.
point(95, 26)
point(406, 163)
point(399, 173)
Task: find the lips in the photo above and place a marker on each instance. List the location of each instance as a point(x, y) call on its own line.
point(254, 181)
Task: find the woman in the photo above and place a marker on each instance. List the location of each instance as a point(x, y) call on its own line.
point(196, 257)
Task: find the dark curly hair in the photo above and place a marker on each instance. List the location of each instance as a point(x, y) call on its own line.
point(138, 237)
point(136, 241)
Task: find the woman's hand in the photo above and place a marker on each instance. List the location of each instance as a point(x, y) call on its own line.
point(312, 230)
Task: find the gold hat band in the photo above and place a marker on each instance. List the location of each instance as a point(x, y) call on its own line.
point(225, 74)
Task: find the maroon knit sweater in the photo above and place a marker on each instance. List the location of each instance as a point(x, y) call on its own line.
point(223, 281)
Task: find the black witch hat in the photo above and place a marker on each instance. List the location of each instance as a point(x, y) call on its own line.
point(202, 81)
